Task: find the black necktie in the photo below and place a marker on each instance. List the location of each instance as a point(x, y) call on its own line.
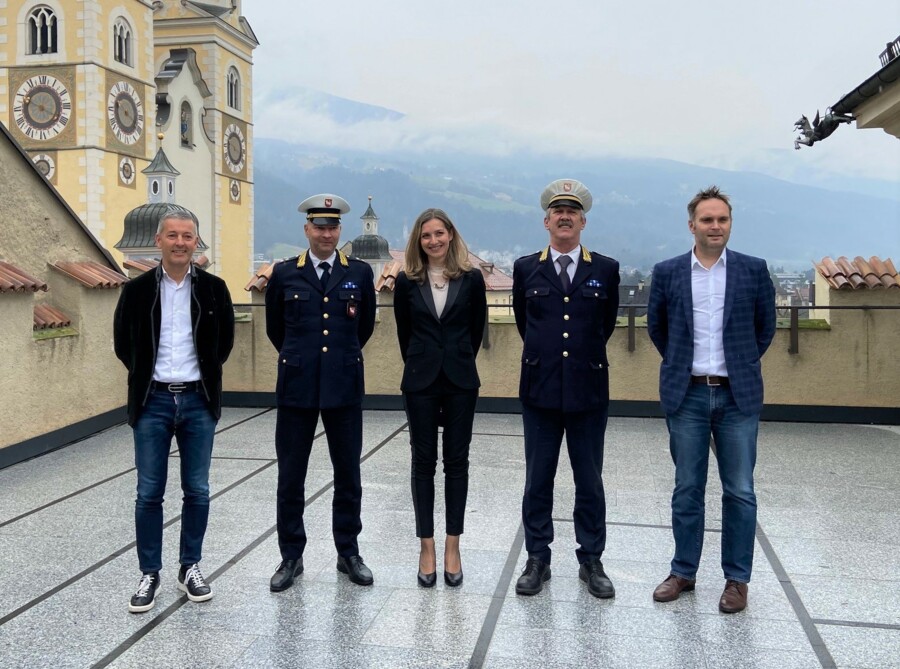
point(325, 274)
point(564, 262)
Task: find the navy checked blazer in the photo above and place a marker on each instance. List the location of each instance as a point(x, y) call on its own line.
point(748, 327)
point(319, 334)
point(564, 363)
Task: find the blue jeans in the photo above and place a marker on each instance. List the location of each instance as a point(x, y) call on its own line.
point(711, 410)
point(185, 416)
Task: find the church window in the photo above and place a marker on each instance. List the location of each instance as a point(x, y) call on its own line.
point(234, 88)
point(122, 42)
point(187, 125)
point(42, 31)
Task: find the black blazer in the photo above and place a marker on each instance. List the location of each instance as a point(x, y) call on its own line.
point(136, 328)
point(450, 343)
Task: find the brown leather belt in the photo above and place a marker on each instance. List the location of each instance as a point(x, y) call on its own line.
point(710, 381)
point(175, 387)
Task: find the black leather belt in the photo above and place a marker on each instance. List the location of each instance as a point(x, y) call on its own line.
point(710, 381)
point(176, 388)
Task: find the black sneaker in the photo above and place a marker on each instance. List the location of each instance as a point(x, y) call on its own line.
point(145, 597)
point(191, 581)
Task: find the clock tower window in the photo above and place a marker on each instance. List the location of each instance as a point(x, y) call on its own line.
point(122, 42)
point(42, 26)
point(234, 88)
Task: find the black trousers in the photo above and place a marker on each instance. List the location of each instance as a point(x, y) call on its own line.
point(454, 408)
point(294, 432)
point(584, 432)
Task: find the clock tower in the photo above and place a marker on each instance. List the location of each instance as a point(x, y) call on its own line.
point(78, 77)
point(91, 90)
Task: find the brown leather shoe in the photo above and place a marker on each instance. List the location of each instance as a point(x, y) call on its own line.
point(734, 597)
point(670, 589)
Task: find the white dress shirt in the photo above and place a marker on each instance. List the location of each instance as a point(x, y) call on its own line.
point(330, 260)
point(708, 296)
point(176, 359)
point(574, 254)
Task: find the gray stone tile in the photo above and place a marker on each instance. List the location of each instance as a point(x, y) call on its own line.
point(853, 599)
point(173, 647)
point(290, 652)
point(862, 647)
point(447, 622)
point(739, 656)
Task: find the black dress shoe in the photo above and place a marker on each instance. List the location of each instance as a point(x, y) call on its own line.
point(427, 580)
point(598, 583)
point(531, 582)
point(453, 580)
point(283, 578)
point(355, 569)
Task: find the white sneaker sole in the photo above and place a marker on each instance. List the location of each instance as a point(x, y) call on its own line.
point(141, 609)
point(194, 598)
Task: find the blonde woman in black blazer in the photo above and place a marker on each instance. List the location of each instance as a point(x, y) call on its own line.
point(440, 308)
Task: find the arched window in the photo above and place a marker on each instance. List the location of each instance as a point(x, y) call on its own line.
point(122, 42)
point(42, 31)
point(187, 125)
point(234, 88)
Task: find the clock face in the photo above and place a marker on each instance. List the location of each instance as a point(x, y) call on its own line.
point(45, 165)
point(235, 190)
point(126, 171)
point(42, 107)
point(235, 148)
point(125, 112)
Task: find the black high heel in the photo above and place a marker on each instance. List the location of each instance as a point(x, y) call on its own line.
point(426, 580)
point(453, 580)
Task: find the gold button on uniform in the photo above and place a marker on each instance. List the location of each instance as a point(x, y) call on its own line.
point(565, 354)
point(325, 299)
point(324, 349)
point(565, 335)
point(566, 317)
point(324, 315)
point(296, 296)
point(325, 332)
point(565, 299)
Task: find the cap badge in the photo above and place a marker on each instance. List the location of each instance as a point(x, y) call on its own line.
point(567, 186)
point(327, 201)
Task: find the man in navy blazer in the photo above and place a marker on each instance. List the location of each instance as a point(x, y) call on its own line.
point(565, 300)
point(320, 312)
point(711, 315)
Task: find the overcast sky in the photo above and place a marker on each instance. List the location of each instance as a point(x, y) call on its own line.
point(712, 83)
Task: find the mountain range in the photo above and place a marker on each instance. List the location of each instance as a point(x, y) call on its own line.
point(638, 216)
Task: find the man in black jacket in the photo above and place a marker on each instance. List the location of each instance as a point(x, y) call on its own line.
point(173, 330)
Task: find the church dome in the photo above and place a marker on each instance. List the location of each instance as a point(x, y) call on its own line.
point(371, 247)
point(141, 224)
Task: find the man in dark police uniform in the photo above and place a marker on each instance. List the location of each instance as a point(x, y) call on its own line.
point(565, 300)
point(320, 312)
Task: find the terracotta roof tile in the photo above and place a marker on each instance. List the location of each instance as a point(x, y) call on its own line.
point(389, 276)
point(92, 274)
point(14, 280)
point(260, 278)
point(141, 264)
point(874, 273)
point(46, 317)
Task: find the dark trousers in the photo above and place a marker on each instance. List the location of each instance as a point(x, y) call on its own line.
point(584, 432)
point(294, 432)
point(454, 408)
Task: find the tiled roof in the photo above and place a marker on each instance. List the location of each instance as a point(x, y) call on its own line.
point(844, 274)
point(14, 280)
point(92, 274)
point(46, 317)
point(261, 278)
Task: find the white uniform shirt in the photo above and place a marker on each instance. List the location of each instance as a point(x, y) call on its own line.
point(708, 296)
point(176, 359)
point(574, 254)
point(330, 260)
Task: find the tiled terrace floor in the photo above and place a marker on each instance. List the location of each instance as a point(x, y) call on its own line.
point(825, 591)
